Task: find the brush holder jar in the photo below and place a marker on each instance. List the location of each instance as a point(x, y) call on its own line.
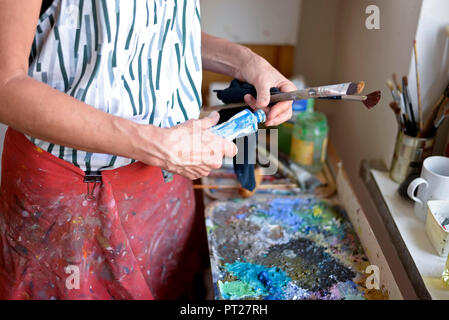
point(409, 154)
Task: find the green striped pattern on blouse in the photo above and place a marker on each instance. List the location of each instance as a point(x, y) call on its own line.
point(136, 59)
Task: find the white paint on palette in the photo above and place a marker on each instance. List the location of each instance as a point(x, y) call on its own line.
point(252, 21)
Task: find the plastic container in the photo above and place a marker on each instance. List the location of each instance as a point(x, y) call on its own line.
point(285, 130)
point(437, 212)
point(309, 141)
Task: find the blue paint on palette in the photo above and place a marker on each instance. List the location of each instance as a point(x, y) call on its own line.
point(266, 282)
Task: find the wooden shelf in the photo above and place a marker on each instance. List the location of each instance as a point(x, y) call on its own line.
point(420, 260)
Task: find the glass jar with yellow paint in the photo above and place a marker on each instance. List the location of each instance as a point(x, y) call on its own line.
point(309, 141)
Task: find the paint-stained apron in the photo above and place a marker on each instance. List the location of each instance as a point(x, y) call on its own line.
point(127, 238)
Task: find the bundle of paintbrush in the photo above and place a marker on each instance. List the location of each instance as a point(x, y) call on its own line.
point(345, 91)
point(402, 106)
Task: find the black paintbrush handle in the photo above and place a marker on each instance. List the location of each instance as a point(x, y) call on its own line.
point(331, 98)
point(413, 128)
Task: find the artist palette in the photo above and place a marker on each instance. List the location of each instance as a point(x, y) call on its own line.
point(285, 248)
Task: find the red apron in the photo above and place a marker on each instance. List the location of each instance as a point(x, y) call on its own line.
point(129, 241)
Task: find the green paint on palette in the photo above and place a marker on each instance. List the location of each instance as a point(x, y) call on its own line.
point(236, 289)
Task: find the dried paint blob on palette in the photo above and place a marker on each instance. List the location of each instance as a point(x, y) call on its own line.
point(285, 248)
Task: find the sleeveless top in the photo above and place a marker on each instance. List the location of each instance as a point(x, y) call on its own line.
point(135, 59)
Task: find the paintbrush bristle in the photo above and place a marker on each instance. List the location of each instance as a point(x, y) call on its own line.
point(405, 80)
point(395, 80)
point(352, 89)
point(390, 85)
point(372, 99)
point(360, 87)
point(395, 107)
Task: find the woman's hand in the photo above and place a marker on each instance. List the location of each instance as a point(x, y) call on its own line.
point(257, 71)
point(189, 149)
point(222, 56)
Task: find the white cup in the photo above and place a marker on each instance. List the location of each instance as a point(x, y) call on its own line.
point(432, 185)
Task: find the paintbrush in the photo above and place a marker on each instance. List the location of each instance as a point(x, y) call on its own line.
point(394, 92)
point(442, 115)
point(395, 81)
point(370, 100)
point(408, 103)
point(420, 117)
point(390, 86)
point(302, 177)
point(348, 88)
point(397, 111)
point(397, 96)
point(429, 128)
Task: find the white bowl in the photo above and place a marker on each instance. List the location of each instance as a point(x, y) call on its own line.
point(437, 211)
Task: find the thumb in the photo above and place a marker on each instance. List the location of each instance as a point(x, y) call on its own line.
point(263, 96)
point(211, 120)
point(229, 149)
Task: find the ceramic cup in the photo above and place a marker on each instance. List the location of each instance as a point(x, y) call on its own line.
point(432, 185)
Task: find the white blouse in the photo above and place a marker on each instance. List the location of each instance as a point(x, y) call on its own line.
point(136, 59)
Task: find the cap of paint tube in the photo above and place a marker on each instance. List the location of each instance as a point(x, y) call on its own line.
point(261, 116)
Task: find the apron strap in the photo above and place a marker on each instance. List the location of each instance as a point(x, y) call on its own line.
point(92, 179)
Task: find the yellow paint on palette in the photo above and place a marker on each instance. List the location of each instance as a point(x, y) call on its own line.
point(317, 211)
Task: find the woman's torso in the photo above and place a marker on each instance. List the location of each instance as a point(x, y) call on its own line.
point(136, 59)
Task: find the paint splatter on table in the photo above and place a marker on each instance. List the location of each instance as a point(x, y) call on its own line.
point(285, 248)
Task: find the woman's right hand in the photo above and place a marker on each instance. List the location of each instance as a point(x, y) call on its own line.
point(190, 149)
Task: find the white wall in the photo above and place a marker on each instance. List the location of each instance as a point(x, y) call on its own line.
point(370, 55)
point(252, 21)
point(317, 39)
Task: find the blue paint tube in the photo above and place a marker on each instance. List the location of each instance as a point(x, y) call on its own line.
point(242, 124)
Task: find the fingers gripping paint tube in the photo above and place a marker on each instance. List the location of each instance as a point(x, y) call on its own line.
point(242, 124)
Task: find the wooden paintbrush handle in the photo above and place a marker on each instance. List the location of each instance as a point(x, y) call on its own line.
point(428, 127)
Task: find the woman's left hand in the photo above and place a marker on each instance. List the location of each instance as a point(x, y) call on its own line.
point(263, 76)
